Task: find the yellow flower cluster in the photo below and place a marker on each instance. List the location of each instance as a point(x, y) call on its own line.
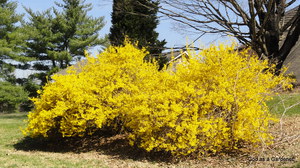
point(213, 102)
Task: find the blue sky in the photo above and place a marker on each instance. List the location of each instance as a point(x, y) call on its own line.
point(165, 29)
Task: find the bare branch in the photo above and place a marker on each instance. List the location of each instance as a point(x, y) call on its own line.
point(290, 3)
point(257, 23)
point(192, 11)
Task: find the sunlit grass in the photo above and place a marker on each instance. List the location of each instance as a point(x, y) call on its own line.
point(285, 104)
point(10, 134)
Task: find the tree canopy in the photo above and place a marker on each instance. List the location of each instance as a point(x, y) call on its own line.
point(138, 20)
point(256, 23)
point(59, 36)
point(12, 39)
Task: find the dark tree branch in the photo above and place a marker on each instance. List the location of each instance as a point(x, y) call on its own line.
point(257, 23)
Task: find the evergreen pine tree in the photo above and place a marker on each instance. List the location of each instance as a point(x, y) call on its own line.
point(79, 31)
point(138, 20)
point(12, 40)
point(41, 39)
point(58, 37)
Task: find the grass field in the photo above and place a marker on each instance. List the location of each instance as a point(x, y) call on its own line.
point(289, 102)
point(17, 151)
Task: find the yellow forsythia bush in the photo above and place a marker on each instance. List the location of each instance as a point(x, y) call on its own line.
point(214, 101)
point(80, 103)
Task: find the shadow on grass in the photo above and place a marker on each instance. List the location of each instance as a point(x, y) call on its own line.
point(116, 146)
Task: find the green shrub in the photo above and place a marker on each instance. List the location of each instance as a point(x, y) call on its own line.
point(11, 96)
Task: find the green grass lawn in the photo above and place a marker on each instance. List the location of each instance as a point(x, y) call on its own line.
point(10, 135)
point(11, 140)
point(289, 104)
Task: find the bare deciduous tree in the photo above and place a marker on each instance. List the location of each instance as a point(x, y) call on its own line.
point(260, 24)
